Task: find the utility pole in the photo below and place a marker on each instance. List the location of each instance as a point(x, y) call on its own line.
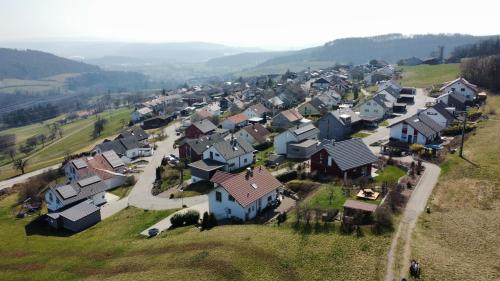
point(463, 134)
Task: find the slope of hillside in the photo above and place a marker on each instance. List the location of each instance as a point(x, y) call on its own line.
point(459, 239)
point(244, 59)
point(29, 64)
point(390, 47)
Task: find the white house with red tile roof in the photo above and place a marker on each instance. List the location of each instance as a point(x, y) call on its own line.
point(242, 195)
point(461, 86)
point(235, 121)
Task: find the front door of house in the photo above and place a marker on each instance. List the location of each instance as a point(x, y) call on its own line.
point(410, 139)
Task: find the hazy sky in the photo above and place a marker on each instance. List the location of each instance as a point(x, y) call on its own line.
point(257, 23)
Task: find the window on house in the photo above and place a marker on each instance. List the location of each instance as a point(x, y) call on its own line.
point(245, 160)
point(463, 89)
point(228, 211)
point(376, 110)
point(50, 197)
point(269, 198)
point(453, 89)
point(230, 198)
point(217, 154)
point(218, 196)
point(366, 110)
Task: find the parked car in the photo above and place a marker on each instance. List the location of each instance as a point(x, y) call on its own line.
point(153, 232)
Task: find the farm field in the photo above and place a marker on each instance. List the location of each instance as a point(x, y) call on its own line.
point(77, 137)
point(113, 249)
point(10, 86)
point(459, 239)
point(424, 76)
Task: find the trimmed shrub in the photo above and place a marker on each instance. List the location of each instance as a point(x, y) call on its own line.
point(191, 217)
point(177, 220)
point(288, 176)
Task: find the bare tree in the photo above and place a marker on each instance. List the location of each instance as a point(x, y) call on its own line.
point(20, 165)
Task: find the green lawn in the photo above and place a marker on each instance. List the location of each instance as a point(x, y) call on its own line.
point(77, 138)
point(113, 250)
point(360, 135)
point(261, 156)
point(121, 191)
point(424, 76)
point(195, 189)
point(327, 197)
point(390, 174)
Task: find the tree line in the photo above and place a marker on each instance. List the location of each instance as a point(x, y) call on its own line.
point(30, 115)
point(482, 48)
point(483, 71)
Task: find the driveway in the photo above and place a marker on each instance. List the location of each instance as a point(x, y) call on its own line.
point(141, 196)
point(165, 224)
point(415, 206)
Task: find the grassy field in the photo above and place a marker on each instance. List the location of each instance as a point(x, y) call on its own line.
point(113, 250)
point(321, 198)
point(360, 135)
point(459, 239)
point(424, 76)
point(390, 174)
point(10, 86)
point(77, 138)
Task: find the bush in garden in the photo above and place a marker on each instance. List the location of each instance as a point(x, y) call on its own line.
point(191, 217)
point(177, 220)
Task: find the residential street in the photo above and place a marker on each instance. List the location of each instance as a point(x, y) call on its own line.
point(22, 178)
point(141, 196)
point(383, 132)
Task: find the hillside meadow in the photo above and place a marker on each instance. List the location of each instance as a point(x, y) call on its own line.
point(459, 239)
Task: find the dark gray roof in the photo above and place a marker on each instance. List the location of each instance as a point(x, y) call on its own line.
point(393, 92)
point(137, 132)
point(380, 99)
point(113, 159)
point(204, 126)
point(423, 124)
point(129, 143)
point(79, 163)
point(458, 97)
point(230, 149)
point(304, 132)
point(349, 154)
point(439, 107)
point(115, 145)
point(85, 188)
point(78, 211)
point(203, 143)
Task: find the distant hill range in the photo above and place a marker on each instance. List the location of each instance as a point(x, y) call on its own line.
point(29, 64)
point(390, 47)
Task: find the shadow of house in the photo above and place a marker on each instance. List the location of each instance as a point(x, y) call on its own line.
point(39, 226)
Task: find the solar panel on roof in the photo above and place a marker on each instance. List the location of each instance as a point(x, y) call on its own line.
point(89, 181)
point(113, 159)
point(66, 191)
point(79, 163)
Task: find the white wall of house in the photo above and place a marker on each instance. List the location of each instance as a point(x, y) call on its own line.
point(396, 132)
point(372, 109)
point(435, 116)
point(136, 116)
point(460, 88)
point(53, 204)
point(115, 181)
point(99, 198)
point(226, 208)
point(281, 141)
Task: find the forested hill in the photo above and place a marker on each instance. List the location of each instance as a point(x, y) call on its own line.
point(390, 47)
point(29, 64)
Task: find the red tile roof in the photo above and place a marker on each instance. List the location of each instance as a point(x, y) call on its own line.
point(258, 132)
point(238, 118)
point(245, 188)
point(292, 115)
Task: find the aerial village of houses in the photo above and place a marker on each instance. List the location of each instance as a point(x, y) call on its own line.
point(244, 139)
